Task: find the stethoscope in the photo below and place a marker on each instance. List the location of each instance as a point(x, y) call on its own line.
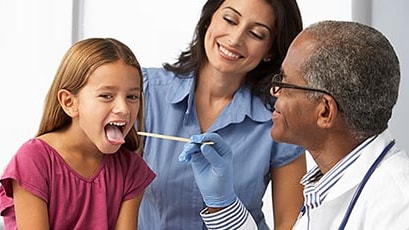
point(362, 184)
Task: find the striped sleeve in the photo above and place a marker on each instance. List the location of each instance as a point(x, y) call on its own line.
point(234, 216)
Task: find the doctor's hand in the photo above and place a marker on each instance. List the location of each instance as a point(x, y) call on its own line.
point(212, 167)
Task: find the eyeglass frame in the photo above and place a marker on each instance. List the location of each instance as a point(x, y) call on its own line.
point(282, 85)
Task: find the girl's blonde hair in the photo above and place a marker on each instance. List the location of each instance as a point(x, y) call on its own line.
point(80, 61)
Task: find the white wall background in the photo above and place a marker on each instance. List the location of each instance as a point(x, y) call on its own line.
point(36, 34)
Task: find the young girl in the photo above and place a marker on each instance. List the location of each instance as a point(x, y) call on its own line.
point(82, 170)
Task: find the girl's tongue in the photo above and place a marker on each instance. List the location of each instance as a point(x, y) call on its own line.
point(114, 135)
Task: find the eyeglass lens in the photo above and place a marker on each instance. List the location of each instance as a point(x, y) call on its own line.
point(276, 78)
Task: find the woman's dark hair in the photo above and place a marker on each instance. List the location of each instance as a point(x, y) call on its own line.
point(288, 24)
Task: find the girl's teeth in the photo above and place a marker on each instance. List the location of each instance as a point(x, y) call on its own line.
point(117, 123)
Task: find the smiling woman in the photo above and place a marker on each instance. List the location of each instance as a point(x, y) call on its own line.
point(222, 71)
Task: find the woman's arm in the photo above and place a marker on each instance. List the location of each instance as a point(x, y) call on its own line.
point(287, 192)
point(31, 211)
point(128, 214)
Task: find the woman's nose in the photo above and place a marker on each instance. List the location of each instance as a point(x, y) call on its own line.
point(236, 37)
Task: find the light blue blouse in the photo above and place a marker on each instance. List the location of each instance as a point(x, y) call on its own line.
point(173, 200)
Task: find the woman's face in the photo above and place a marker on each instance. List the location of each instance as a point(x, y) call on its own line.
point(239, 35)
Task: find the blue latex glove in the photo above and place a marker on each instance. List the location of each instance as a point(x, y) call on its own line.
point(212, 167)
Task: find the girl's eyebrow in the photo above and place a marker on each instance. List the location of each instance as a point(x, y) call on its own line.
point(109, 87)
point(136, 89)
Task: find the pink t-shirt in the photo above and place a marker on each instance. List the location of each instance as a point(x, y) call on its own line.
point(74, 202)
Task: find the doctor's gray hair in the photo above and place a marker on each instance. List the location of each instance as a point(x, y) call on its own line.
point(359, 67)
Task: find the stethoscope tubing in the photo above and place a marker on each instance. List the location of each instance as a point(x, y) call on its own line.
point(362, 185)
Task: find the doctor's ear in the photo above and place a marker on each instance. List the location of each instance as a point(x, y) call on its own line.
point(68, 102)
point(327, 112)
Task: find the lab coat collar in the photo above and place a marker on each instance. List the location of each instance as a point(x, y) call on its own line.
point(355, 173)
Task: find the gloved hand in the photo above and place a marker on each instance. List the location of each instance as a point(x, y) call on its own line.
point(212, 167)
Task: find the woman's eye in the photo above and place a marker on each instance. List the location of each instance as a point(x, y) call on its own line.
point(257, 35)
point(229, 20)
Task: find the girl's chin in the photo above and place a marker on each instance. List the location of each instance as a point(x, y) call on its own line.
point(110, 148)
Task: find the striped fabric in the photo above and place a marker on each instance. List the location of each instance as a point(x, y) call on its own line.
point(232, 217)
point(317, 185)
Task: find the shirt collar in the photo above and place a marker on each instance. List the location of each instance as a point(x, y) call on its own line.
point(243, 103)
point(182, 87)
point(315, 190)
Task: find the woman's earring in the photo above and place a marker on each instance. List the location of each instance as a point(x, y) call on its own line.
point(267, 59)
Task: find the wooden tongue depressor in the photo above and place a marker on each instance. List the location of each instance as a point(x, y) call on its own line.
point(173, 138)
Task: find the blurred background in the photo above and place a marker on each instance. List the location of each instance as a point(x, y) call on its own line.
point(36, 34)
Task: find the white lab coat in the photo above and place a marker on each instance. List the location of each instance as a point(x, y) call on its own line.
point(384, 201)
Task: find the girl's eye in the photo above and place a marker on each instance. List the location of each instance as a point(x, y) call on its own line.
point(106, 96)
point(133, 97)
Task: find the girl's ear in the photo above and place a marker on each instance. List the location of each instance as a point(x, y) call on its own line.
point(328, 111)
point(68, 102)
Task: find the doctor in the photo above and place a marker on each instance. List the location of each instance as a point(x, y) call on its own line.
point(335, 95)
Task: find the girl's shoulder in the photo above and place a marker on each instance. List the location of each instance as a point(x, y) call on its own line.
point(31, 167)
point(34, 154)
point(34, 147)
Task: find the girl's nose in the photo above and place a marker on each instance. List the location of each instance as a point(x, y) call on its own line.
point(121, 107)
